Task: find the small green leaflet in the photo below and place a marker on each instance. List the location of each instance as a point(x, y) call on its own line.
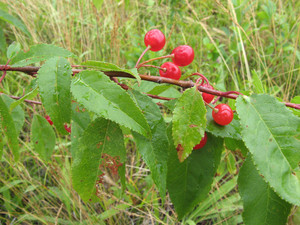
point(268, 131)
point(261, 204)
point(38, 53)
point(189, 121)
point(101, 136)
point(109, 67)
point(14, 21)
point(42, 137)
point(30, 95)
point(258, 86)
point(98, 94)
point(189, 182)
point(8, 128)
point(231, 130)
point(13, 50)
point(2, 41)
point(153, 150)
point(98, 4)
point(54, 79)
point(17, 113)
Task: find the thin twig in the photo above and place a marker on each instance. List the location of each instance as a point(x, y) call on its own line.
point(184, 84)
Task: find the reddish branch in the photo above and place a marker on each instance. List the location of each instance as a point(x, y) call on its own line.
point(31, 70)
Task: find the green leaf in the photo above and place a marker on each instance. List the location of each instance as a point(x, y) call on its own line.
point(9, 129)
point(231, 130)
point(109, 67)
point(261, 204)
point(80, 121)
point(38, 53)
point(14, 21)
point(30, 95)
point(153, 150)
point(101, 136)
point(230, 160)
point(189, 121)
point(98, 4)
point(268, 130)
point(54, 79)
point(42, 137)
point(17, 113)
point(13, 50)
point(258, 86)
point(189, 182)
point(2, 41)
point(98, 94)
point(233, 144)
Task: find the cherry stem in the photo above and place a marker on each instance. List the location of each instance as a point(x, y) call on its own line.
point(215, 101)
point(158, 67)
point(4, 71)
point(150, 60)
point(144, 52)
point(202, 77)
point(216, 110)
point(31, 70)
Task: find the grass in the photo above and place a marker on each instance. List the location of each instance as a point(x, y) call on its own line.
point(243, 45)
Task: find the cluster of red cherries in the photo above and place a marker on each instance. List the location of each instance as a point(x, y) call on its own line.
point(183, 55)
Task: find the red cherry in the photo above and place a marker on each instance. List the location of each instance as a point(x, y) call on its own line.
point(68, 129)
point(183, 55)
point(207, 97)
point(156, 39)
point(172, 71)
point(224, 115)
point(49, 120)
point(202, 142)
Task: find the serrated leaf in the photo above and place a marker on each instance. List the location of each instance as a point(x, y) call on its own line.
point(54, 79)
point(9, 129)
point(171, 104)
point(261, 204)
point(189, 121)
point(109, 67)
point(101, 136)
point(189, 182)
point(13, 50)
point(42, 137)
point(268, 130)
point(231, 130)
point(14, 21)
point(17, 113)
point(98, 94)
point(38, 53)
point(153, 150)
point(80, 121)
point(30, 95)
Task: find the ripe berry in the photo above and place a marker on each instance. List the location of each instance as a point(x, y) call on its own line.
point(183, 55)
point(207, 97)
point(49, 120)
point(68, 129)
point(202, 142)
point(172, 71)
point(156, 39)
point(224, 115)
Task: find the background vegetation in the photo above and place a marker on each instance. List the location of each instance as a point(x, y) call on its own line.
point(244, 45)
